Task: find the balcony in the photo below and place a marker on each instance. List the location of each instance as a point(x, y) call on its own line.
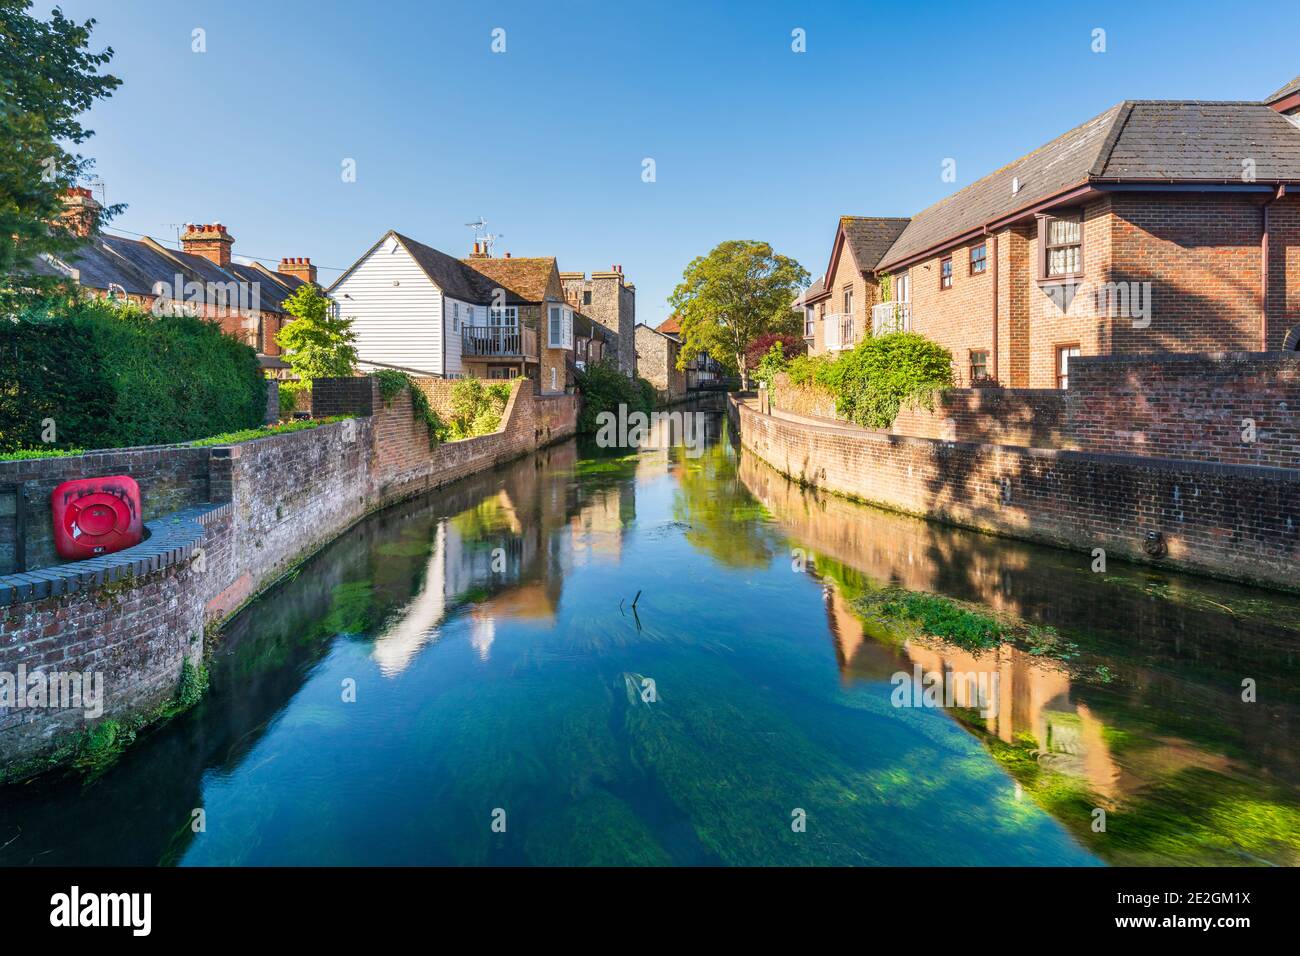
point(891, 317)
point(839, 332)
point(498, 341)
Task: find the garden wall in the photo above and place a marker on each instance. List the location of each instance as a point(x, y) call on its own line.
point(227, 522)
point(1230, 407)
point(1234, 521)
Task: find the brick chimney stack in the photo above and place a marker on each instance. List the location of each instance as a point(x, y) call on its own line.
point(299, 267)
point(212, 242)
point(80, 211)
point(480, 250)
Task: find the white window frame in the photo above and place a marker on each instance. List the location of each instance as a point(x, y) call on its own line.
point(506, 317)
point(565, 317)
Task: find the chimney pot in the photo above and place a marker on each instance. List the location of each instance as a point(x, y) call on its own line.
point(299, 267)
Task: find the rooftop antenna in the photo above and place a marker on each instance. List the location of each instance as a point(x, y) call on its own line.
point(177, 226)
point(482, 235)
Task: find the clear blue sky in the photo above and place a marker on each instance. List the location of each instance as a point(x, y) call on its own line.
point(547, 140)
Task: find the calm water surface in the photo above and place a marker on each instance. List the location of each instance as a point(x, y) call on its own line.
point(499, 666)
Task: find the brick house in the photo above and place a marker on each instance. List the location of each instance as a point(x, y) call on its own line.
point(1157, 226)
point(608, 298)
point(201, 277)
point(534, 289)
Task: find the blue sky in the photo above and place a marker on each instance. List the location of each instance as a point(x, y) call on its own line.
point(546, 141)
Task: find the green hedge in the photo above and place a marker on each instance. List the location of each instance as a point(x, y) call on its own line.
point(113, 376)
point(604, 388)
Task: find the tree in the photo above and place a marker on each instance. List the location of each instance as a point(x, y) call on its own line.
point(791, 345)
point(48, 77)
point(316, 344)
point(726, 299)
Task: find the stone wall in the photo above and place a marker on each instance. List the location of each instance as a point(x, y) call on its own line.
point(656, 362)
point(262, 506)
point(1235, 521)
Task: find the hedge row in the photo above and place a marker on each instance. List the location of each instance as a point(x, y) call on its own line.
point(102, 375)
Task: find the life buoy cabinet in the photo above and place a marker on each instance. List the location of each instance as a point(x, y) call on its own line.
point(94, 516)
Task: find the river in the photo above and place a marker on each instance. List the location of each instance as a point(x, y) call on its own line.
point(661, 658)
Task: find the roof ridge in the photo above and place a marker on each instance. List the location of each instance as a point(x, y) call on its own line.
point(1112, 137)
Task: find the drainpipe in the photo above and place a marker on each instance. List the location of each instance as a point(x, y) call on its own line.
point(995, 302)
point(1263, 269)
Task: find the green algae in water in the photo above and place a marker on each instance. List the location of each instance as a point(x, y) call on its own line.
point(524, 693)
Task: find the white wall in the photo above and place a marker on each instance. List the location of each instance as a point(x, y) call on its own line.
point(395, 324)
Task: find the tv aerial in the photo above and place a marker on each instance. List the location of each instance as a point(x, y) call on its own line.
point(482, 235)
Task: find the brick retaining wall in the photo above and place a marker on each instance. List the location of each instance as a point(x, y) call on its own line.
point(1233, 521)
point(263, 506)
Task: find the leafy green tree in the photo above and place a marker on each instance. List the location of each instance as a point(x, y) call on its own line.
point(48, 77)
point(728, 298)
point(316, 344)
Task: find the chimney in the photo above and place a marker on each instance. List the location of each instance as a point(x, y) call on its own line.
point(507, 255)
point(80, 211)
point(299, 267)
point(480, 250)
point(212, 242)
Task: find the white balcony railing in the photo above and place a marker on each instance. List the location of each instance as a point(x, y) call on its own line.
point(839, 332)
point(891, 317)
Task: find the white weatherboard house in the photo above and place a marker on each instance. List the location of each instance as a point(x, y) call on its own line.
point(419, 310)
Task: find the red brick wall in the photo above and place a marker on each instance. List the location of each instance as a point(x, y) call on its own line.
point(1189, 406)
point(1234, 521)
point(1194, 407)
point(959, 318)
point(1201, 255)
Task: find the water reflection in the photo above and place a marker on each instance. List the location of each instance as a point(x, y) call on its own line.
point(488, 632)
point(1143, 718)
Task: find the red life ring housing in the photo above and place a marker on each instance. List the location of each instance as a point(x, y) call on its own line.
point(94, 516)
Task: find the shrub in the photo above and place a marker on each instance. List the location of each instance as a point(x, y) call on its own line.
point(770, 364)
point(110, 375)
point(895, 370)
point(291, 394)
point(249, 434)
point(883, 374)
point(803, 369)
point(649, 394)
point(477, 407)
point(604, 388)
point(761, 347)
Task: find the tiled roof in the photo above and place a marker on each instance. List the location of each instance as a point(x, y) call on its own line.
point(526, 277)
point(870, 237)
point(451, 275)
point(1050, 169)
point(1287, 90)
point(670, 326)
point(817, 288)
point(1189, 140)
point(1137, 140)
point(137, 265)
